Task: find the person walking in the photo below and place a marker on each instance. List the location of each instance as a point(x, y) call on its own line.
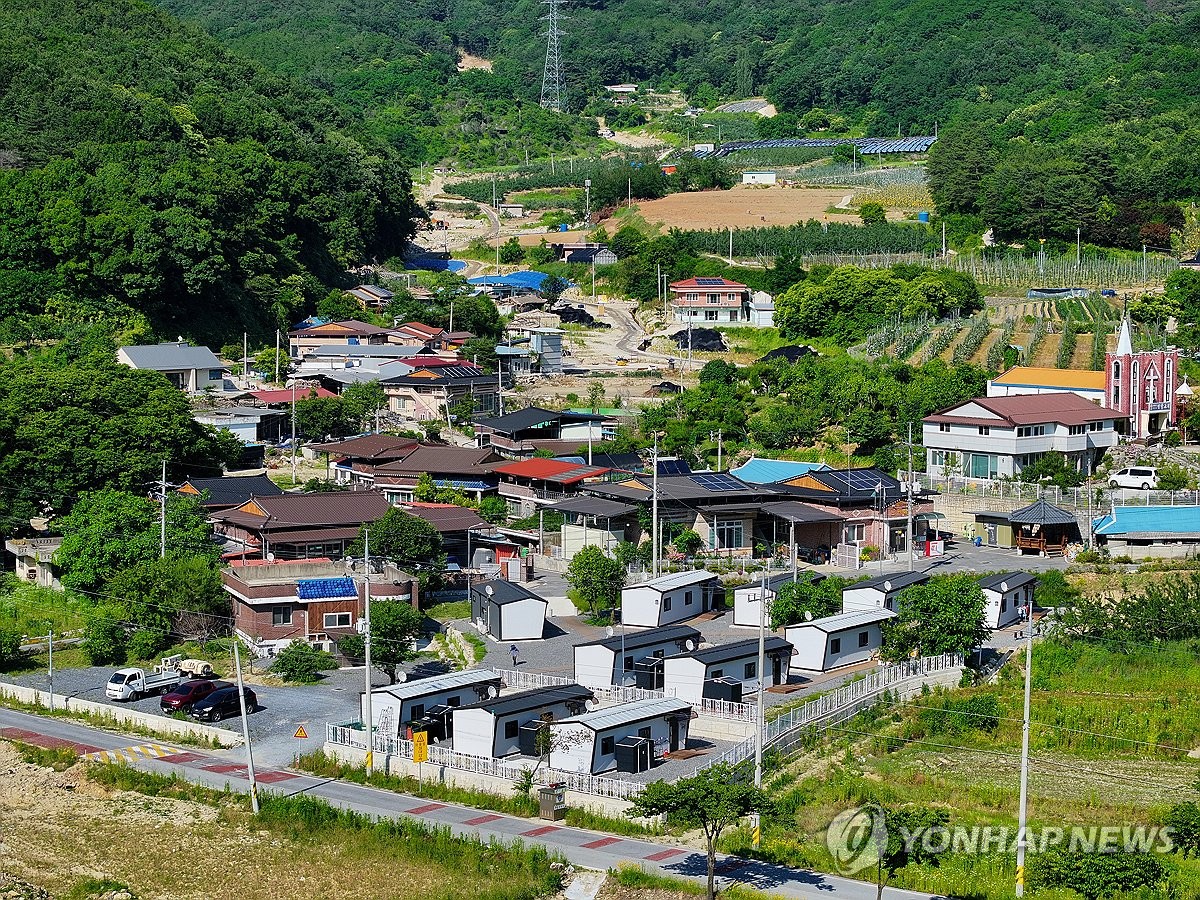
point(515, 653)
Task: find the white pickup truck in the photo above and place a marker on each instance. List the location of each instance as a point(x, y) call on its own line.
point(132, 683)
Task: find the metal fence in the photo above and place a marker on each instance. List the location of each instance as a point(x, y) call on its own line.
point(1074, 499)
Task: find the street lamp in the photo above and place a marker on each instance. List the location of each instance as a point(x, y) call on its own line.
point(587, 203)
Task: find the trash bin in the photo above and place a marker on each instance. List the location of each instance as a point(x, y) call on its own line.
point(552, 802)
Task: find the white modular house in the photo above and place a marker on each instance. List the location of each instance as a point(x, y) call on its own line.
point(624, 658)
point(997, 437)
point(746, 598)
point(507, 611)
point(395, 707)
point(502, 726)
point(880, 592)
point(726, 671)
point(835, 641)
point(668, 598)
point(1006, 594)
point(628, 737)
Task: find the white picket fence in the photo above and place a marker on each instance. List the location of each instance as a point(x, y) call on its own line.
point(720, 709)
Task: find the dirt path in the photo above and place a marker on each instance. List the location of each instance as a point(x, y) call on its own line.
point(981, 355)
point(1047, 352)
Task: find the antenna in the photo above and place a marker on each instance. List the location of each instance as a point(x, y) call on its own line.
point(553, 90)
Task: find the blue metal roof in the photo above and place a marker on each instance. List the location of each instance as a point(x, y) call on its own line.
point(528, 280)
point(1149, 520)
point(325, 588)
point(768, 471)
point(461, 485)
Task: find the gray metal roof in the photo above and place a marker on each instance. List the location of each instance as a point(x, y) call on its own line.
point(1043, 512)
point(629, 713)
point(847, 620)
point(890, 583)
point(503, 592)
point(635, 640)
point(537, 698)
point(411, 690)
point(171, 356)
point(1012, 579)
point(675, 580)
point(773, 644)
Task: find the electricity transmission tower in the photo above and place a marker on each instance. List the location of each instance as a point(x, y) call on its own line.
point(554, 95)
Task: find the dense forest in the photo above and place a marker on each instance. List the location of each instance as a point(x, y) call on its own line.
point(152, 182)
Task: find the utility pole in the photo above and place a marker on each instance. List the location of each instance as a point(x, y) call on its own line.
point(237, 664)
point(50, 672)
point(276, 381)
point(720, 448)
point(246, 360)
point(762, 686)
point(587, 199)
point(293, 432)
point(792, 548)
point(908, 543)
point(162, 514)
point(368, 723)
point(1078, 248)
point(1143, 266)
point(1022, 835)
point(654, 509)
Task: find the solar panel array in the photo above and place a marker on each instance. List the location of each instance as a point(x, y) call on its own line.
point(858, 479)
point(711, 282)
point(673, 467)
point(718, 481)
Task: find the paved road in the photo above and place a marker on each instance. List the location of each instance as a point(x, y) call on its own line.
point(581, 847)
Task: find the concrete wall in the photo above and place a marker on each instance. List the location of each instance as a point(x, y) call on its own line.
point(162, 724)
point(396, 765)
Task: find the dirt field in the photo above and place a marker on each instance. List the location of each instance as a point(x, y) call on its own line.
point(747, 207)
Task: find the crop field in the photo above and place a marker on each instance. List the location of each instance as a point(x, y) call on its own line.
point(748, 207)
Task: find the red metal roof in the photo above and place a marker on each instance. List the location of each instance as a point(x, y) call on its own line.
point(556, 470)
point(704, 283)
point(1062, 407)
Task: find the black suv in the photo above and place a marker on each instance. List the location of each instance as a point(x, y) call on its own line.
point(221, 704)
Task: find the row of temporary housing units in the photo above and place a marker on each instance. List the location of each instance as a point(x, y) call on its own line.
point(468, 711)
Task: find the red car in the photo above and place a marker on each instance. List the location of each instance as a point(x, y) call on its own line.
point(188, 693)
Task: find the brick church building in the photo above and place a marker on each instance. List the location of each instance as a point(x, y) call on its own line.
point(1141, 385)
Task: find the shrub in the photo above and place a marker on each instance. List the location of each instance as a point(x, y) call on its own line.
point(148, 643)
point(10, 646)
point(301, 662)
point(104, 635)
point(1094, 875)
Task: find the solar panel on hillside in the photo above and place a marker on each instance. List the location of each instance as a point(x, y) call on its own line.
point(718, 481)
point(673, 467)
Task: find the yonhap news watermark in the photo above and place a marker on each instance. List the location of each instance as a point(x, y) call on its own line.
point(859, 838)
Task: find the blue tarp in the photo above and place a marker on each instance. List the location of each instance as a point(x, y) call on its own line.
point(1149, 520)
point(433, 264)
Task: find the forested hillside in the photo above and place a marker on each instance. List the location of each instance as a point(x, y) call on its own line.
point(152, 182)
point(393, 64)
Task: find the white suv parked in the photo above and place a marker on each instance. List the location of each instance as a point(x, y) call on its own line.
point(1134, 477)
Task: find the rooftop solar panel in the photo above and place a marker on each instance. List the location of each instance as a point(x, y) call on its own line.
point(717, 482)
point(711, 282)
point(673, 467)
point(325, 588)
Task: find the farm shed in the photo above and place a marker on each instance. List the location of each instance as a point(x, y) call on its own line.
point(724, 672)
point(1006, 594)
point(621, 659)
point(880, 592)
point(836, 641)
point(994, 529)
point(1163, 532)
point(746, 599)
point(592, 742)
point(395, 706)
point(507, 611)
point(501, 726)
point(668, 598)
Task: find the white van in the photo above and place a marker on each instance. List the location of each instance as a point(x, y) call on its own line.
point(1141, 477)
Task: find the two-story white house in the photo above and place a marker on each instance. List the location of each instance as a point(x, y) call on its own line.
point(709, 301)
point(997, 437)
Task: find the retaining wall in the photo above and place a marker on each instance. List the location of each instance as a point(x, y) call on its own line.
point(399, 766)
point(164, 725)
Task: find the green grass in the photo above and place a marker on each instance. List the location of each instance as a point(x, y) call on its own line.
point(57, 758)
point(33, 610)
point(95, 887)
point(454, 609)
point(478, 645)
point(630, 876)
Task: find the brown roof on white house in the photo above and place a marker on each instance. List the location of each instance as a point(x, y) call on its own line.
point(299, 511)
point(1064, 408)
point(443, 460)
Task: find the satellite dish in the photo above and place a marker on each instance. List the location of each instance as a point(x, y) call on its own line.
point(691, 644)
point(609, 631)
point(493, 691)
point(489, 590)
point(401, 677)
point(887, 585)
point(589, 705)
point(808, 615)
point(1004, 587)
point(270, 557)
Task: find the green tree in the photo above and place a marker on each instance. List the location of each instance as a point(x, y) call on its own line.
point(711, 800)
point(902, 840)
point(943, 616)
point(266, 360)
point(10, 647)
point(338, 306)
point(627, 242)
point(595, 578)
point(104, 635)
point(1095, 875)
point(302, 663)
point(405, 539)
point(111, 531)
point(323, 418)
point(425, 490)
point(395, 626)
point(1172, 477)
point(553, 287)
point(1053, 468)
point(1184, 820)
point(511, 252)
point(493, 509)
point(688, 542)
point(541, 255)
point(176, 595)
point(872, 213)
point(595, 396)
point(805, 599)
point(362, 400)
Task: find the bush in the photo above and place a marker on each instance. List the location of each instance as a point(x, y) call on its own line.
point(10, 647)
point(1172, 477)
point(104, 635)
point(148, 643)
point(302, 662)
point(1094, 875)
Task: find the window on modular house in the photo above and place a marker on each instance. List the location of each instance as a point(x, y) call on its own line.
point(667, 603)
point(943, 426)
point(687, 598)
point(510, 729)
point(835, 646)
point(864, 638)
point(644, 732)
point(607, 744)
point(985, 429)
point(751, 670)
point(418, 711)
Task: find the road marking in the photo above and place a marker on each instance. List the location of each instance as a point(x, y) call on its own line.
point(181, 758)
point(602, 842)
point(482, 820)
point(663, 854)
point(538, 832)
point(132, 754)
point(223, 768)
point(428, 807)
point(45, 741)
point(270, 777)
